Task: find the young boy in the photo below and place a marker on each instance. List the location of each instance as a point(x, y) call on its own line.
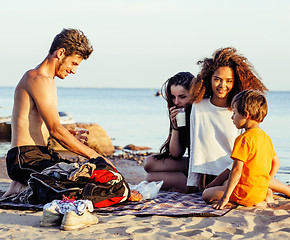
point(255, 161)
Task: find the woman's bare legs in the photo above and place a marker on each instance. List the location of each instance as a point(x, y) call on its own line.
point(169, 164)
point(171, 180)
point(213, 193)
point(220, 179)
point(171, 171)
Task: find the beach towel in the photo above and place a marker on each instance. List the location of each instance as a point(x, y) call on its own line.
point(168, 204)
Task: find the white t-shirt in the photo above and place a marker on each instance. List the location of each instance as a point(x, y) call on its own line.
point(212, 136)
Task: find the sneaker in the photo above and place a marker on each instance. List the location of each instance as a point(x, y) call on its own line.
point(50, 218)
point(72, 220)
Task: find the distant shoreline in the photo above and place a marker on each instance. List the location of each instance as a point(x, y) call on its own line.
point(122, 88)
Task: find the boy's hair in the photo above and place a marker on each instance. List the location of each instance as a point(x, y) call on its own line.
point(252, 101)
point(245, 76)
point(73, 41)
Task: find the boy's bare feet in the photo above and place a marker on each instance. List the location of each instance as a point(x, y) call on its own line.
point(269, 198)
point(14, 188)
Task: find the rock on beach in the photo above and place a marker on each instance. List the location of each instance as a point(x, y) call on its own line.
point(136, 148)
point(98, 139)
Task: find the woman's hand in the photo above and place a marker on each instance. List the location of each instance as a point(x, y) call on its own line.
point(173, 112)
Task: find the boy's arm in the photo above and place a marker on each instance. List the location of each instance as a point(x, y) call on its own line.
point(234, 178)
point(275, 166)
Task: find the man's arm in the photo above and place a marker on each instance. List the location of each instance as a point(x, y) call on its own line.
point(43, 92)
point(234, 178)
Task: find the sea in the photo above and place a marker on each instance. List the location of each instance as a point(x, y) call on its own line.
point(137, 116)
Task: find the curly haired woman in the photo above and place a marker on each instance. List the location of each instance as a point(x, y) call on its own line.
point(212, 132)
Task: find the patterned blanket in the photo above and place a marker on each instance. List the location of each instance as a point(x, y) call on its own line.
point(168, 204)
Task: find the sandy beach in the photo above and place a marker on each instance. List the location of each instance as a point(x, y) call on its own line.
point(260, 222)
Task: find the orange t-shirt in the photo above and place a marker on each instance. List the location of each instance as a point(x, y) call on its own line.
point(255, 149)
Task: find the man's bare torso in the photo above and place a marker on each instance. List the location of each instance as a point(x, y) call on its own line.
point(28, 127)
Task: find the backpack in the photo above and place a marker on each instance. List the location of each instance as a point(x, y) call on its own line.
point(108, 186)
point(105, 187)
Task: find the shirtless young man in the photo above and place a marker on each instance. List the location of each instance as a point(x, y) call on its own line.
point(35, 116)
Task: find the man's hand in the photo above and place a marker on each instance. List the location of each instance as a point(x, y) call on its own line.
point(221, 203)
point(80, 134)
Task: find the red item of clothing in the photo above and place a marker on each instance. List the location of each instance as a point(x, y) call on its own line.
point(108, 202)
point(103, 176)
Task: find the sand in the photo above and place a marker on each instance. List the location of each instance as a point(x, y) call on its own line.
point(242, 223)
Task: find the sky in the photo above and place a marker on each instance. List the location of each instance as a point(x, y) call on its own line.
point(141, 43)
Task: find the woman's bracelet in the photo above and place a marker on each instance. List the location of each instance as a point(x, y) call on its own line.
point(176, 129)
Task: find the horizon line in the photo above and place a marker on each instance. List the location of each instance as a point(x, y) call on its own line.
point(155, 88)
